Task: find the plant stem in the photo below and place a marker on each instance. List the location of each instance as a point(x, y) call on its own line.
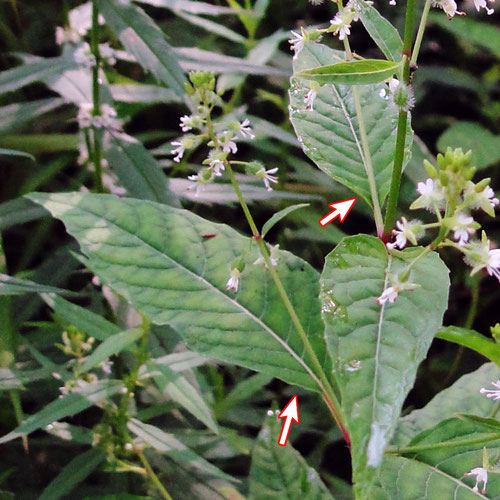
point(392, 202)
point(324, 385)
point(96, 97)
point(420, 32)
point(152, 475)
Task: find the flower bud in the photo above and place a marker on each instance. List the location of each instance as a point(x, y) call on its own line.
point(430, 169)
point(238, 263)
point(495, 332)
point(254, 167)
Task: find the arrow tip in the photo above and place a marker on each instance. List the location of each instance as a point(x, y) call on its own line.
point(343, 207)
point(291, 410)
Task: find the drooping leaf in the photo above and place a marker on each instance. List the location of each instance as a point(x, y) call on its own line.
point(361, 72)
point(376, 349)
point(442, 455)
point(15, 379)
point(169, 445)
point(142, 37)
point(18, 211)
point(13, 152)
point(279, 472)
point(70, 404)
point(157, 257)
point(142, 93)
point(9, 285)
point(383, 33)
point(329, 133)
point(280, 215)
point(73, 474)
point(181, 391)
point(462, 397)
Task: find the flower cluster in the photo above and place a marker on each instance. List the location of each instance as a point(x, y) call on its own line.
point(106, 119)
point(220, 136)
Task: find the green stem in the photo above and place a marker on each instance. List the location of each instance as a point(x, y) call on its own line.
point(96, 97)
point(153, 476)
point(392, 202)
point(420, 32)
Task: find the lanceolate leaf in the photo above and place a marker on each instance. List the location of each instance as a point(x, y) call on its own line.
point(384, 34)
point(141, 37)
point(279, 472)
point(361, 72)
point(377, 348)
point(443, 454)
point(329, 133)
point(157, 257)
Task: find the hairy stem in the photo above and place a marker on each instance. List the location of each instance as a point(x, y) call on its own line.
point(392, 202)
point(96, 98)
point(151, 473)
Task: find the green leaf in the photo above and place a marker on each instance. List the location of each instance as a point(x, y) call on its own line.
point(191, 6)
point(330, 135)
point(70, 404)
point(73, 474)
point(136, 169)
point(279, 472)
point(169, 445)
point(13, 152)
point(15, 379)
point(111, 346)
point(142, 38)
point(157, 258)
point(85, 320)
point(442, 455)
point(182, 392)
point(484, 144)
point(19, 211)
point(473, 340)
point(37, 70)
point(376, 349)
point(9, 285)
point(383, 33)
point(280, 215)
point(148, 94)
point(361, 72)
point(212, 27)
point(462, 397)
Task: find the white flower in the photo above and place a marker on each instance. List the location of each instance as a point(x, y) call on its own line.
point(106, 366)
point(64, 35)
point(297, 43)
point(489, 195)
point(201, 179)
point(392, 2)
point(178, 150)
point(185, 123)
point(481, 4)
point(449, 7)
point(107, 54)
point(405, 231)
point(431, 194)
point(481, 477)
point(226, 142)
point(215, 162)
point(309, 99)
point(492, 393)
point(83, 56)
point(245, 130)
point(106, 119)
point(273, 256)
point(479, 256)
point(341, 24)
point(462, 228)
point(493, 266)
point(388, 295)
point(266, 176)
point(484, 200)
point(234, 281)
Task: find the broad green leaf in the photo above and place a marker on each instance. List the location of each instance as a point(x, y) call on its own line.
point(473, 340)
point(383, 33)
point(169, 445)
point(73, 474)
point(142, 38)
point(484, 144)
point(361, 72)
point(15, 116)
point(442, 455)
point(182, 392)
point(330, 135)
point(462, 397)
point(112, 345)
point(376, 348)
point(136, 169)
point(157, 258)
point(13, 152)
point(468, 30)
point(279, 472)
point(280, 215)
point(70, 404)
point(9, 285)
point(35, 71)
point(85, 320)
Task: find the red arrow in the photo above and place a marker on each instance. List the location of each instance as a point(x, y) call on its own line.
point(340, 210)
point(290, 412)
